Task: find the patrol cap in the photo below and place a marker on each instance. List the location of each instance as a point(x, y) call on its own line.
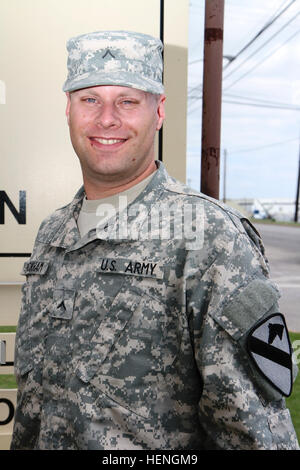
point(121, 58)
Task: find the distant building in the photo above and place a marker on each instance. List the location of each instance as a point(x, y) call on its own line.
point(281, 210)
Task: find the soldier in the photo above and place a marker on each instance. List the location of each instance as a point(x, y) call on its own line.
point(148, 317)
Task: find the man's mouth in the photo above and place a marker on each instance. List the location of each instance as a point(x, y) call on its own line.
point(103, 141)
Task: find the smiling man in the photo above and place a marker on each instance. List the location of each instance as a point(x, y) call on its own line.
point(147, 308)
point(112, 130)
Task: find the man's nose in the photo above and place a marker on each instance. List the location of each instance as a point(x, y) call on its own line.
point(108, 116)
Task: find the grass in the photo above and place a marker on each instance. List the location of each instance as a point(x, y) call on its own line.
point(8, 329)
point(292, 402)
point(7, 381)
point(273, 222)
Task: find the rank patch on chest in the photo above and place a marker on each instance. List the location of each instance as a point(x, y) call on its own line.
point(269, 347)
point(35, 267)
point(131, 267)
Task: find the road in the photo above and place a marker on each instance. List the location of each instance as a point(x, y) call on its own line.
point(282, 245)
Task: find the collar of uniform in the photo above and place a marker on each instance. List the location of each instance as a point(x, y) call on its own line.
point(113, 228)
point(64, 233)
point(60, 229)
point(149, 196)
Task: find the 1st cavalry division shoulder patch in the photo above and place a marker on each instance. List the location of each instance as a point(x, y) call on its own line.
point(269, 346)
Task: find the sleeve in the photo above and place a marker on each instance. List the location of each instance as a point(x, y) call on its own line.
point(232, 303)
point(26, 419)
point(29, 394)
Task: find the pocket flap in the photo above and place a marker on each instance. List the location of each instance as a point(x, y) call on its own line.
point(121, 310)
point(246, 307)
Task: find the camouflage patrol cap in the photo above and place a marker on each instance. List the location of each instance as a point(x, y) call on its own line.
point(121, 58)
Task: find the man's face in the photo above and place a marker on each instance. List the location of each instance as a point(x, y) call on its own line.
point(112, 130)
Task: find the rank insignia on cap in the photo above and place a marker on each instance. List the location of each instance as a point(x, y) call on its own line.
point(269, 347)
point(108, 53)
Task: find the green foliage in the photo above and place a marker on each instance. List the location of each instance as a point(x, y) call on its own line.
point(293, 402)
point(7, 381)
point(8, 329)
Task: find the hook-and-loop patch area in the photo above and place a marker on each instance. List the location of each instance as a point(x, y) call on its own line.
point(269, 347)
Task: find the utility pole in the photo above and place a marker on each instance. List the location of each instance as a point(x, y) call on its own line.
point(224, 175)
point(297, 191)
point(212, 97)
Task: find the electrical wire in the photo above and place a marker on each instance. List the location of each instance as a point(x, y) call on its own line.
point(281, 106)
point(260, 32)
point(263, 60)
point(263, 45)
point(290, 108)
point(249, 99)
point(253, 149)
point(253, 101)
point(257, 50)
point(257, 101)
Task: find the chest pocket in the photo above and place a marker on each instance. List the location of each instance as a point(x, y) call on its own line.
point(31, 325)
point(38, 282)
point(127, 351)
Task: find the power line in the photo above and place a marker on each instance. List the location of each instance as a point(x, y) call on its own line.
point(196, 88)
point(263, 45)
point(252, 149)
point(279, 8)
point(253, 100)
point(276, 105)
point(258, 100)
point(257, 50)
point(288, 108)
point(260, 32)
point(195, 61)
point(258, 105)
point(263, 60)
point(280, 106)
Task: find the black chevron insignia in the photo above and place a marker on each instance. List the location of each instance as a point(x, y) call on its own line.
point(107, 52)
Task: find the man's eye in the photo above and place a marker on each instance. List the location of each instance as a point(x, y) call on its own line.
point(90, 100)
point(128, 103)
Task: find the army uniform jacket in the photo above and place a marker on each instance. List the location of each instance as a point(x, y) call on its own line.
point(137, 339)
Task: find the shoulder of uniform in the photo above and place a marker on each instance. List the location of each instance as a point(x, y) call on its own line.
point(56, 216)
point(52, 222)
point(211, 205)
point(216, 210)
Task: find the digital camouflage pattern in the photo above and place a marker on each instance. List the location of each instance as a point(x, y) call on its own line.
point(139, 343)
point(115, 58)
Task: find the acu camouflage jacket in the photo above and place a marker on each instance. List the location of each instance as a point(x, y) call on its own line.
point(131, 338)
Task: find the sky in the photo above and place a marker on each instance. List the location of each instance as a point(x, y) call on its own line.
point(261, 142)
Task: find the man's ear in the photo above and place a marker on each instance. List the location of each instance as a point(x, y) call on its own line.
point(68, 106)
point(160, 111)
